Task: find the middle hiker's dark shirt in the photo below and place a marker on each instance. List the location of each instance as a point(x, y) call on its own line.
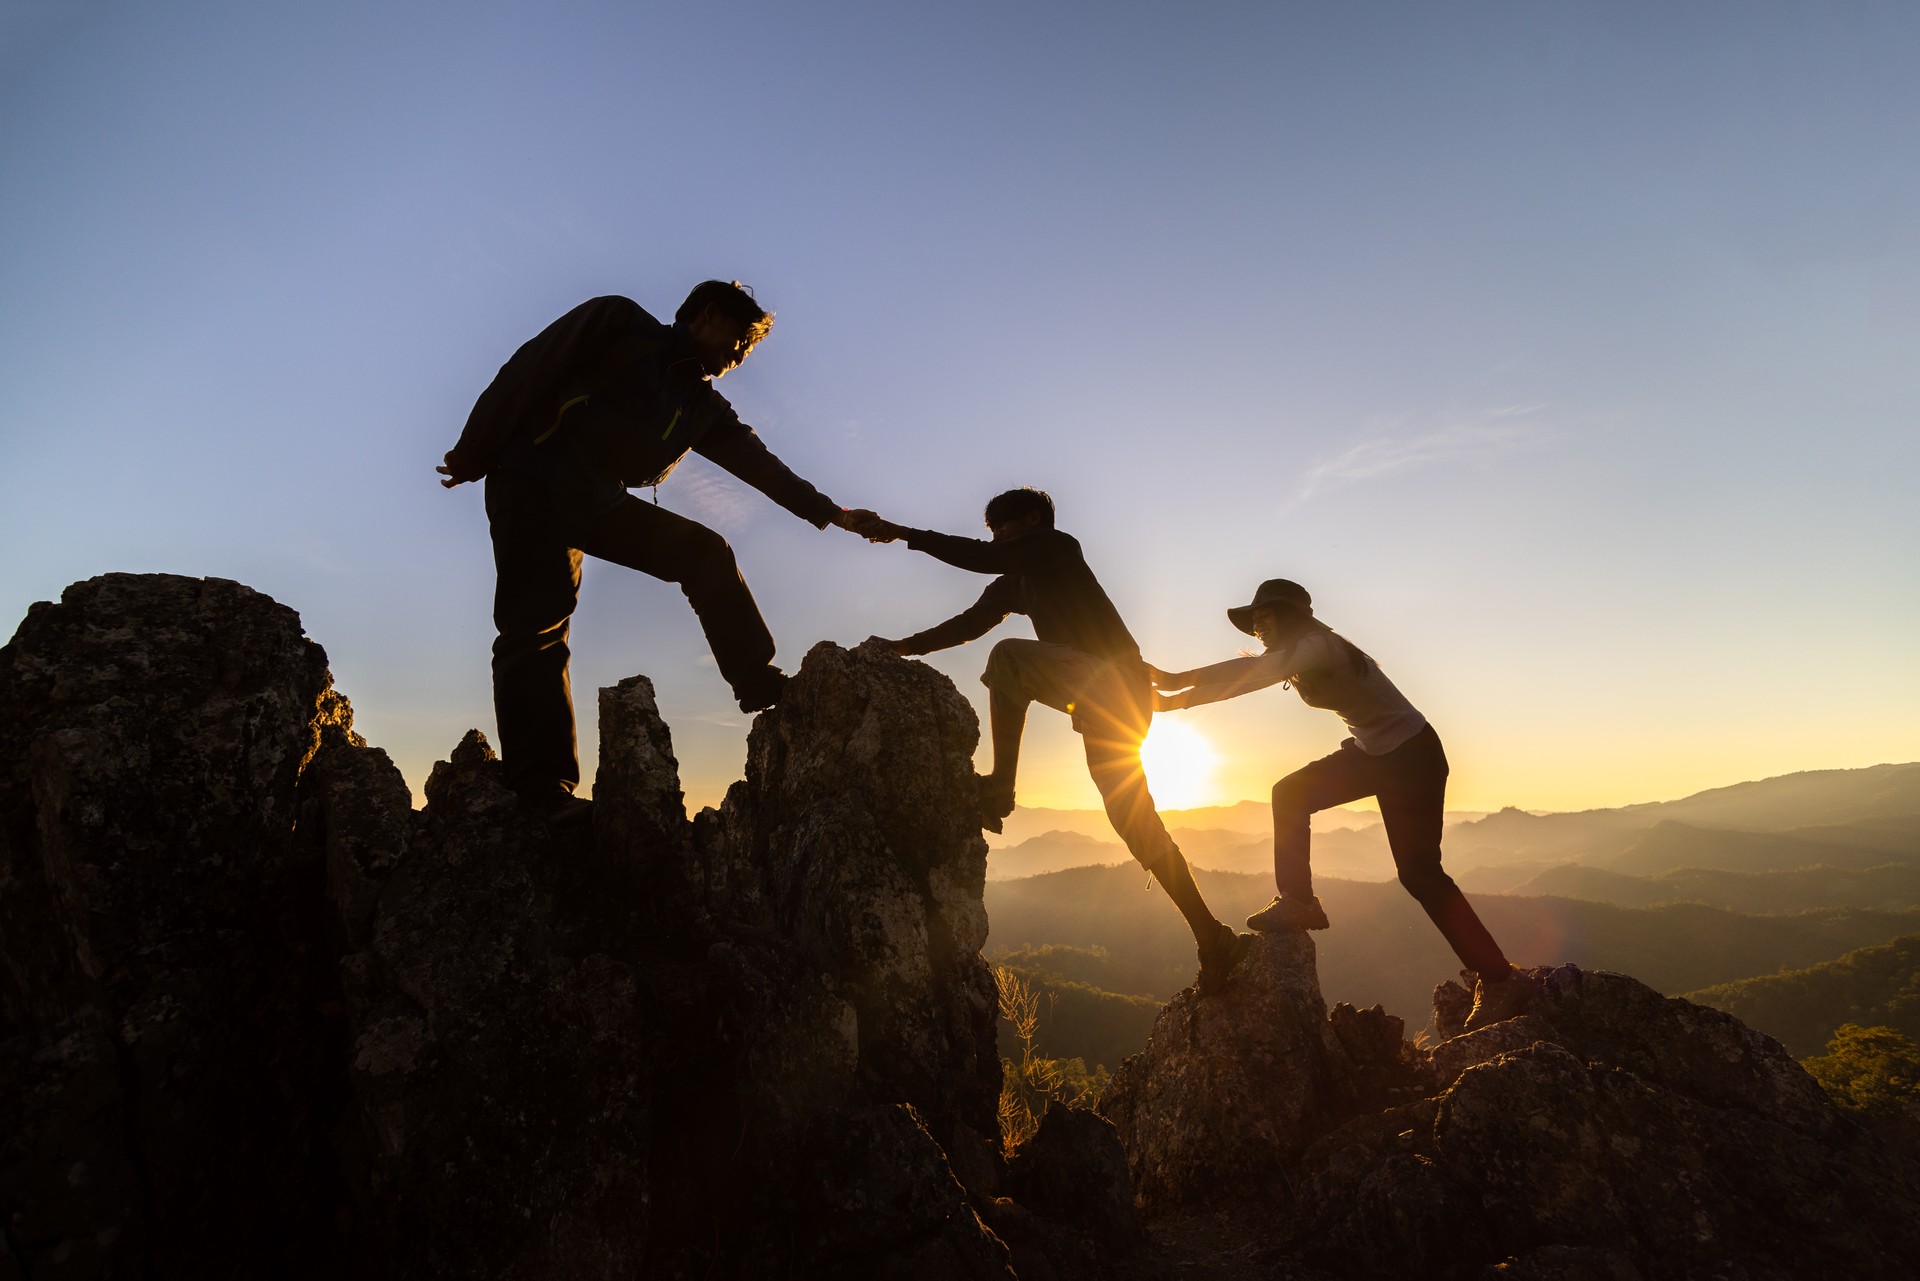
point(1042, 575)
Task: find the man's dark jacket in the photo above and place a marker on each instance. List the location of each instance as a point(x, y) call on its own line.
point(607, 398)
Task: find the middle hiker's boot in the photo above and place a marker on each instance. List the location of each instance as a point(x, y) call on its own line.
point(993, 799)
point(1218, 957)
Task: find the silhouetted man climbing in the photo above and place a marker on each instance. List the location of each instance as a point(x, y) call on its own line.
point(1085, 663)
point(604, 399)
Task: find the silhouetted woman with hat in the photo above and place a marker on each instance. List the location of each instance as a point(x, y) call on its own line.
point(1393, 755)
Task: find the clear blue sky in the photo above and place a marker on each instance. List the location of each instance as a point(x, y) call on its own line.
point(1566, 352)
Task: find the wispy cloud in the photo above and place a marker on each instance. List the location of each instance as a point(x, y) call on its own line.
point(708, 495)
point(1496, 432)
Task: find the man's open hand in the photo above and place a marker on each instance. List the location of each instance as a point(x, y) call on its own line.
point(457, 470)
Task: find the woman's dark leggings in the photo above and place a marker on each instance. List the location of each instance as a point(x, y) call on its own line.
point(1411, 784)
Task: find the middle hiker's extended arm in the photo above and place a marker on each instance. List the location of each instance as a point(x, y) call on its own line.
point(971, 623)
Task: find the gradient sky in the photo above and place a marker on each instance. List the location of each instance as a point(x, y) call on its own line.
point(1567, 353)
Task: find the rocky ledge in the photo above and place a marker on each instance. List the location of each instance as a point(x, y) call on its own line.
point(259, 1017)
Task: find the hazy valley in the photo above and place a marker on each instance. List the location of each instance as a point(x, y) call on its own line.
point(1727, 896)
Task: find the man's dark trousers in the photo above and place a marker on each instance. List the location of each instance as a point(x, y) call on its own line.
point(537, 546)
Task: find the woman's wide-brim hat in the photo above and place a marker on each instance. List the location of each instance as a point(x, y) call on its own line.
point(1276, 592)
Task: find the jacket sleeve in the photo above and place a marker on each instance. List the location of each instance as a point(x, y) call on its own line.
point(975, 554)
point(733, 445)
point(971, 623)
point(537, 371)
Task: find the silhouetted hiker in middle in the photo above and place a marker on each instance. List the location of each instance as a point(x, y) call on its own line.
point(1085, 663)
point(1394, 755)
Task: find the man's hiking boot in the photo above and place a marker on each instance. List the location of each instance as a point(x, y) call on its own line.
point(762, 690)
point(558, 806)
point(1218, 956)
point(1285, 914)
point(1496, 1000)
point(574, 811)
point(993, 799)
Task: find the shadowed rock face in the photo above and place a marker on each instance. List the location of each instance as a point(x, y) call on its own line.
point(163, 927)
point(264, 1018)
point(1232, 1087)
point(1609, 1132)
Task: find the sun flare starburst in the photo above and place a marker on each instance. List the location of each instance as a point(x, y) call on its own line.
point(1180, 763)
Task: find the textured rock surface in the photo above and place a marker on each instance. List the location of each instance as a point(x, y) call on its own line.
point(1631, 1129)
point(264, 1018)
point(1608, 1132)
point(1232, 1087)
point(162, 926)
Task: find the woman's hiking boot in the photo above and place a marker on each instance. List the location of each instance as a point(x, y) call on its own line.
point(1285, 914)
point(1218, 956)
point(1497, 1000)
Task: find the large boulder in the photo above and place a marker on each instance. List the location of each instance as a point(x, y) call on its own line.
point(1232, 1087)
point(1622, 1127)
point(263, 1017)
point(1607, 1132)
point(163, 929)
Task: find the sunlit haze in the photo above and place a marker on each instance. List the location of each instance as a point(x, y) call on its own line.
point(1180, 764)
point(1566, 353)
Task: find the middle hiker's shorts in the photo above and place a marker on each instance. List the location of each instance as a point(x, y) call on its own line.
point(1104, 701)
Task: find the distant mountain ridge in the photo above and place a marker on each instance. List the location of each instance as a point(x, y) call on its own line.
point(1866, 800)
point(1841, 818)
point(1888, 886)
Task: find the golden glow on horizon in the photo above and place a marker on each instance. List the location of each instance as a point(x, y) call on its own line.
point(1180, 765)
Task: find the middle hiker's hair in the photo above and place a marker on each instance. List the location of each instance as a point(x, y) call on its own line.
point(1015, 503)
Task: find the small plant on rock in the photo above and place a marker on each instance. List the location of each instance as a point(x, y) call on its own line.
point(1029, 1082)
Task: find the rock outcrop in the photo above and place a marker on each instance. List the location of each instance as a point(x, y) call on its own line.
point(260, 1017)
point(1609, 1132)
point(264, 1018)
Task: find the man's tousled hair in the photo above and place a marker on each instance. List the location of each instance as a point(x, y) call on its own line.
point(1015, 503)
point(736, 303)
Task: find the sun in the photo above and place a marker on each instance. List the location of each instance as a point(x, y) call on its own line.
point(1180, 764)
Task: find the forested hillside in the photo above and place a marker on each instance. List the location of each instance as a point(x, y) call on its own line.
point(1383, 950)
point(1873, 987)
point(1889, 886)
